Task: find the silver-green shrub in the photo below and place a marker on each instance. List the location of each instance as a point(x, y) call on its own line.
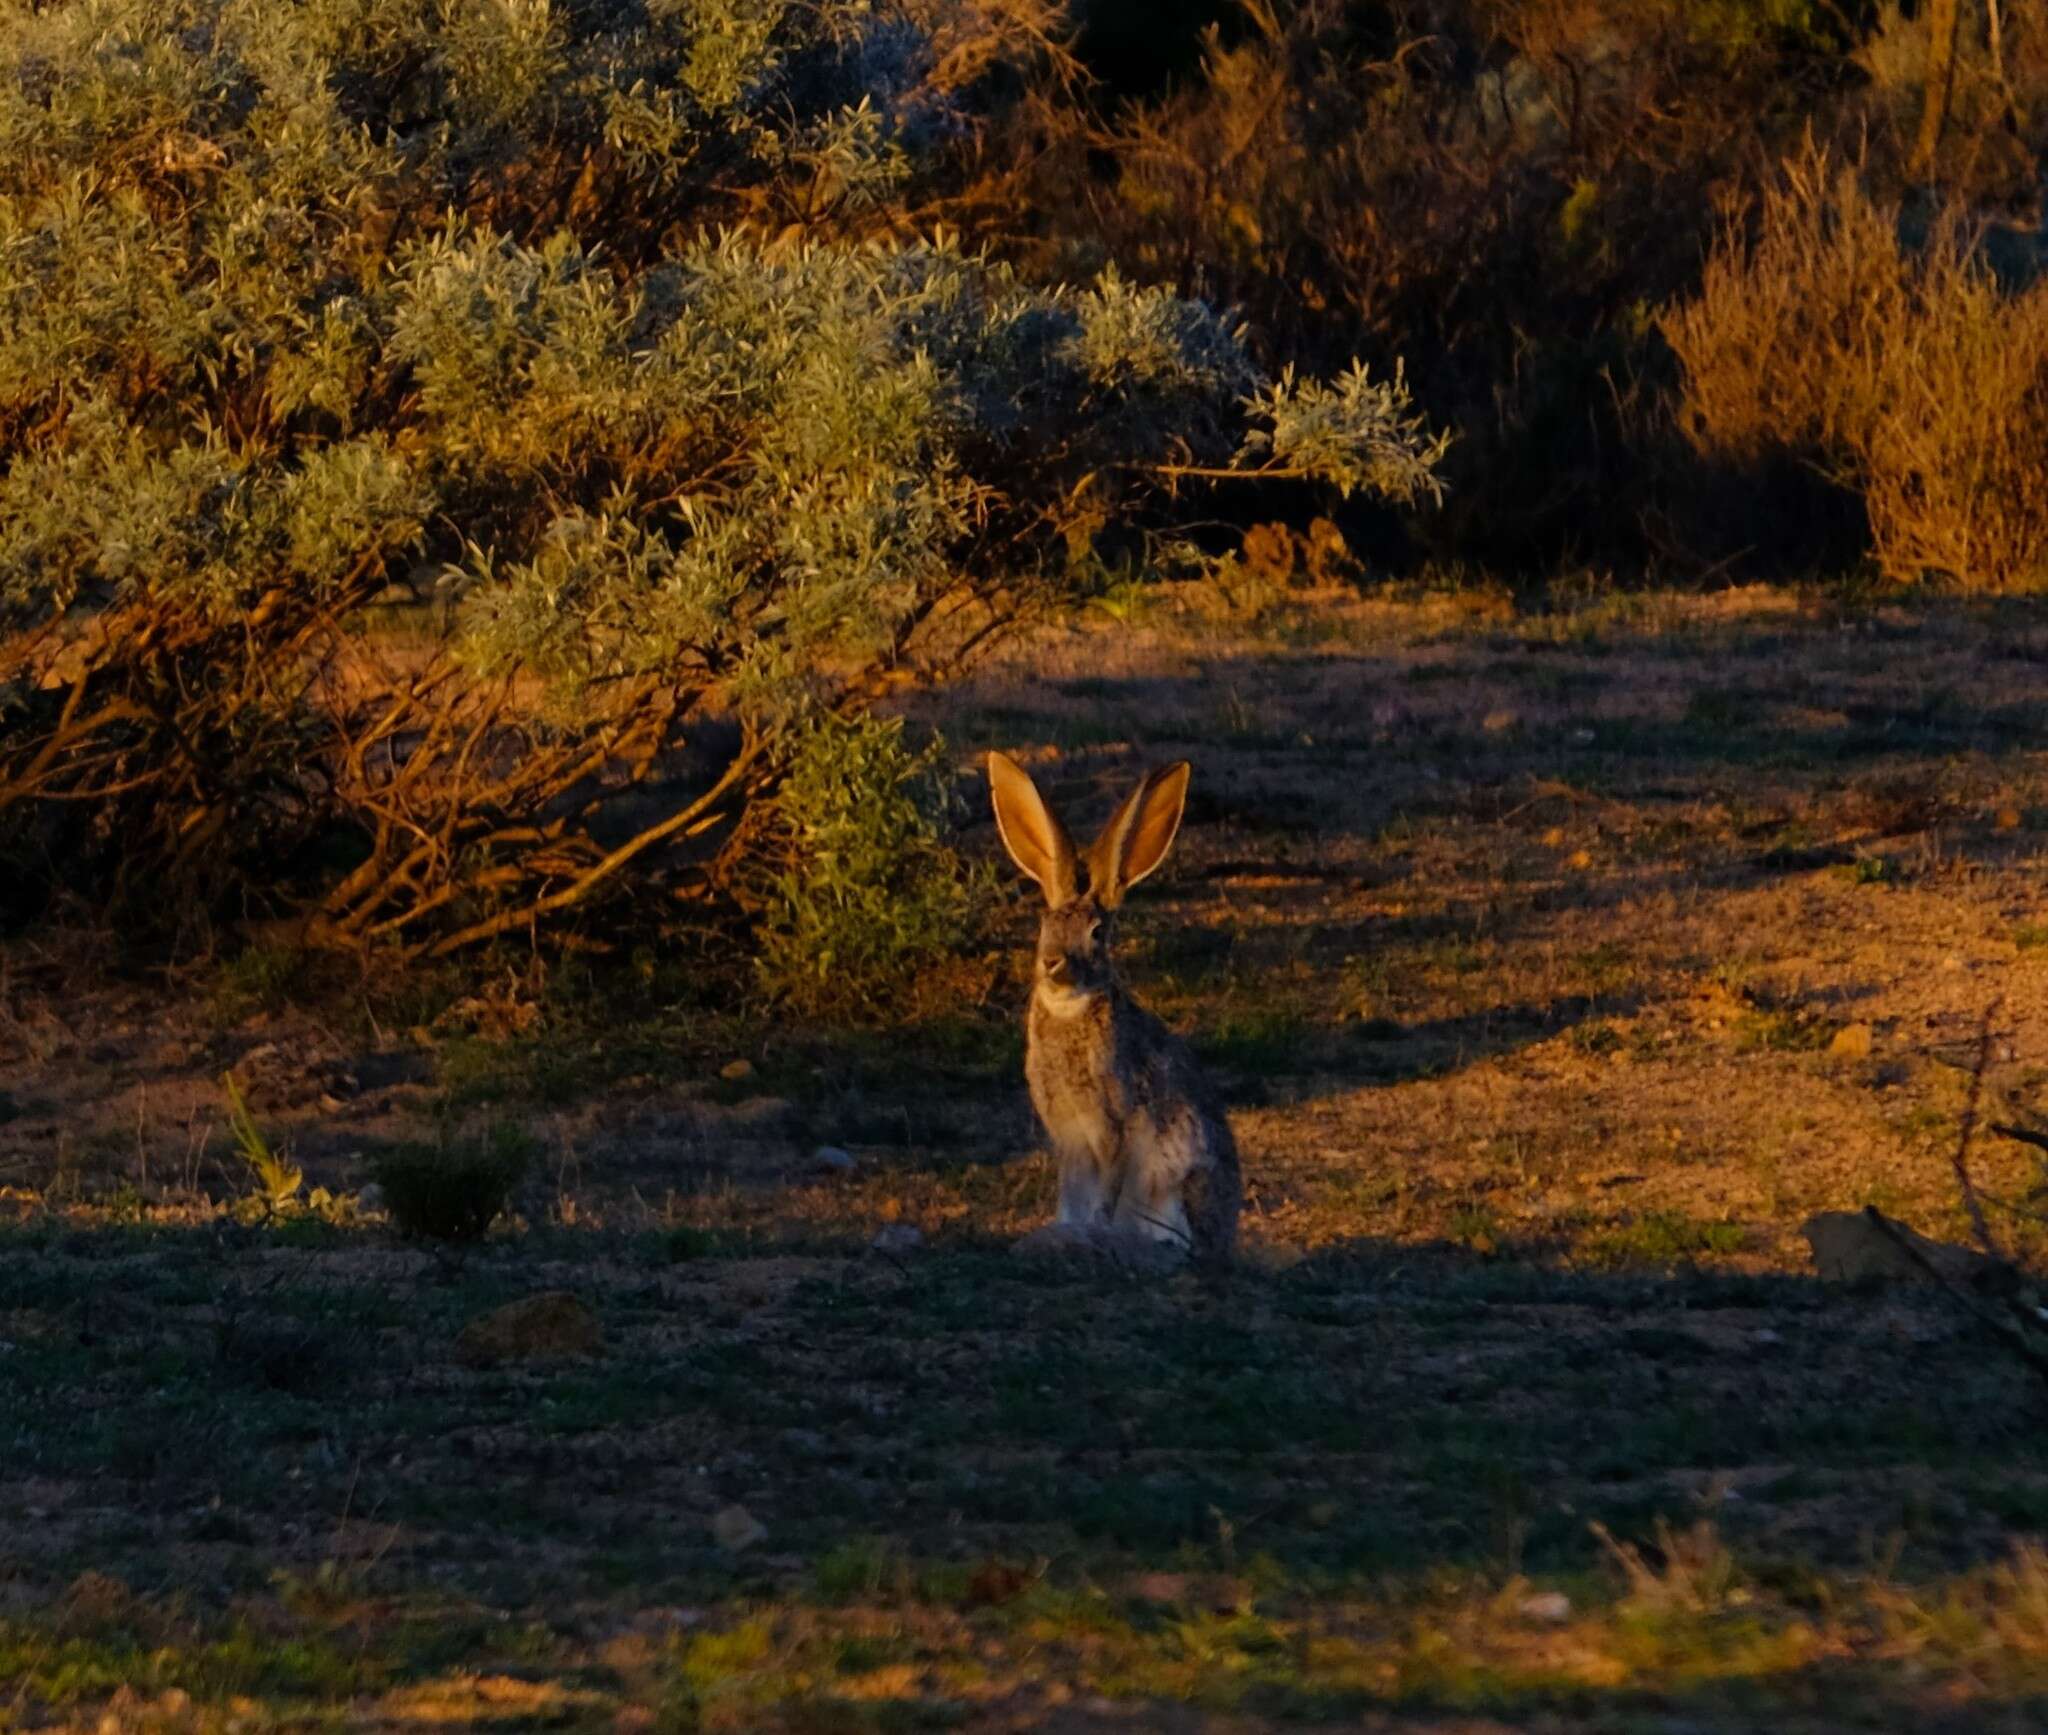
point(569, 334)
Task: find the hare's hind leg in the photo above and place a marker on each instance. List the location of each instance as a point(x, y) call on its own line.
point(1161, 1154)
point(1213, 1195)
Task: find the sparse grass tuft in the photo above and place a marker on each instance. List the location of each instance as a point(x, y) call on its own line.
point(277, 1178)
point(1662, 1239)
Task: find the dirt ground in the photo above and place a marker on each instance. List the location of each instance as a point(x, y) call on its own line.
point(1557, 965)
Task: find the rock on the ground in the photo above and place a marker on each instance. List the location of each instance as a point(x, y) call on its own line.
point(1852, 1042)
point(1856, 1246)
point(735, 1529)
point(897, 1238)
point(540, 1327)
point(1550, 1607)
point(833, 1160)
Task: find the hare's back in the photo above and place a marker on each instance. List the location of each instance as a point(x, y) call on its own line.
point(1184, 1140)
point(1165, 1078)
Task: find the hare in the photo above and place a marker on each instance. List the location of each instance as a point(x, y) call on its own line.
point(1145, 1154)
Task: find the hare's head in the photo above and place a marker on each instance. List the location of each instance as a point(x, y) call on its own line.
point(1074, 937)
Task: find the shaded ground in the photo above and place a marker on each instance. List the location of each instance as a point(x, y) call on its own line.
point(1558, 967)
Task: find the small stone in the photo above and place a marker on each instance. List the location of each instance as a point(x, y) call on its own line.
point(1866, 1246)
point(1551, 1607)
point(736, 1071)
point(1852, 1042)
point(370, 1201)
point(833, 1160)
point(540, 1327)
point(897, 1238)
point(735, 1529)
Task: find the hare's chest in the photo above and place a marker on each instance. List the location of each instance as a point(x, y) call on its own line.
point(1075, 1088)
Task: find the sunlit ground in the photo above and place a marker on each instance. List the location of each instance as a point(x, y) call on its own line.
point(1558, 967)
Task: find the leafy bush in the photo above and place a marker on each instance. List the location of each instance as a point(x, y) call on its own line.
point(1911, 376)
point(1503, 192)
point(456, 1190)
point(872, 890)
point(413, 515)
point(1498, 193)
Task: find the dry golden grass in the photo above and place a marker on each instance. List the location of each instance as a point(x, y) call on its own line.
point(1911, 375)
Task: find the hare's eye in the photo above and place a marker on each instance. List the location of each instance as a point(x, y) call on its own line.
point(1094, 931)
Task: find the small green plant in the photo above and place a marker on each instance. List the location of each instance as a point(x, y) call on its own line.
point(1478, 1227)
point(1665, 1238)
point(1606, 968)
point(1260, 1039)
point(861, 1567)
point(1783, 1030)
point(871, 891)
point(1596, 1039)
point(259, 979)
point(453, 1191)
point(277, 1178)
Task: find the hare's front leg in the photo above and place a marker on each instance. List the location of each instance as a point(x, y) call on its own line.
point(1086, 1191)
point(1085, 1204)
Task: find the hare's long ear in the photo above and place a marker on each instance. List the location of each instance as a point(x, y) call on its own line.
point(1031, 831)
point(1138, 835)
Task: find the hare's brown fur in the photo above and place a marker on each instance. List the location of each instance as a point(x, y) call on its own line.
point(1143, 1147)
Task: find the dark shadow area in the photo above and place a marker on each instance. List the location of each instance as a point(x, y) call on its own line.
point(168, 1367)
point(193, 1411)
point(1286, 1059)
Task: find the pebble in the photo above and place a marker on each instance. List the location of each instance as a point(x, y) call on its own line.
point(1552, 1607)
point(1852, 1042)
point(833, 1160)
point(897, 1238)
point(734, 1529)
